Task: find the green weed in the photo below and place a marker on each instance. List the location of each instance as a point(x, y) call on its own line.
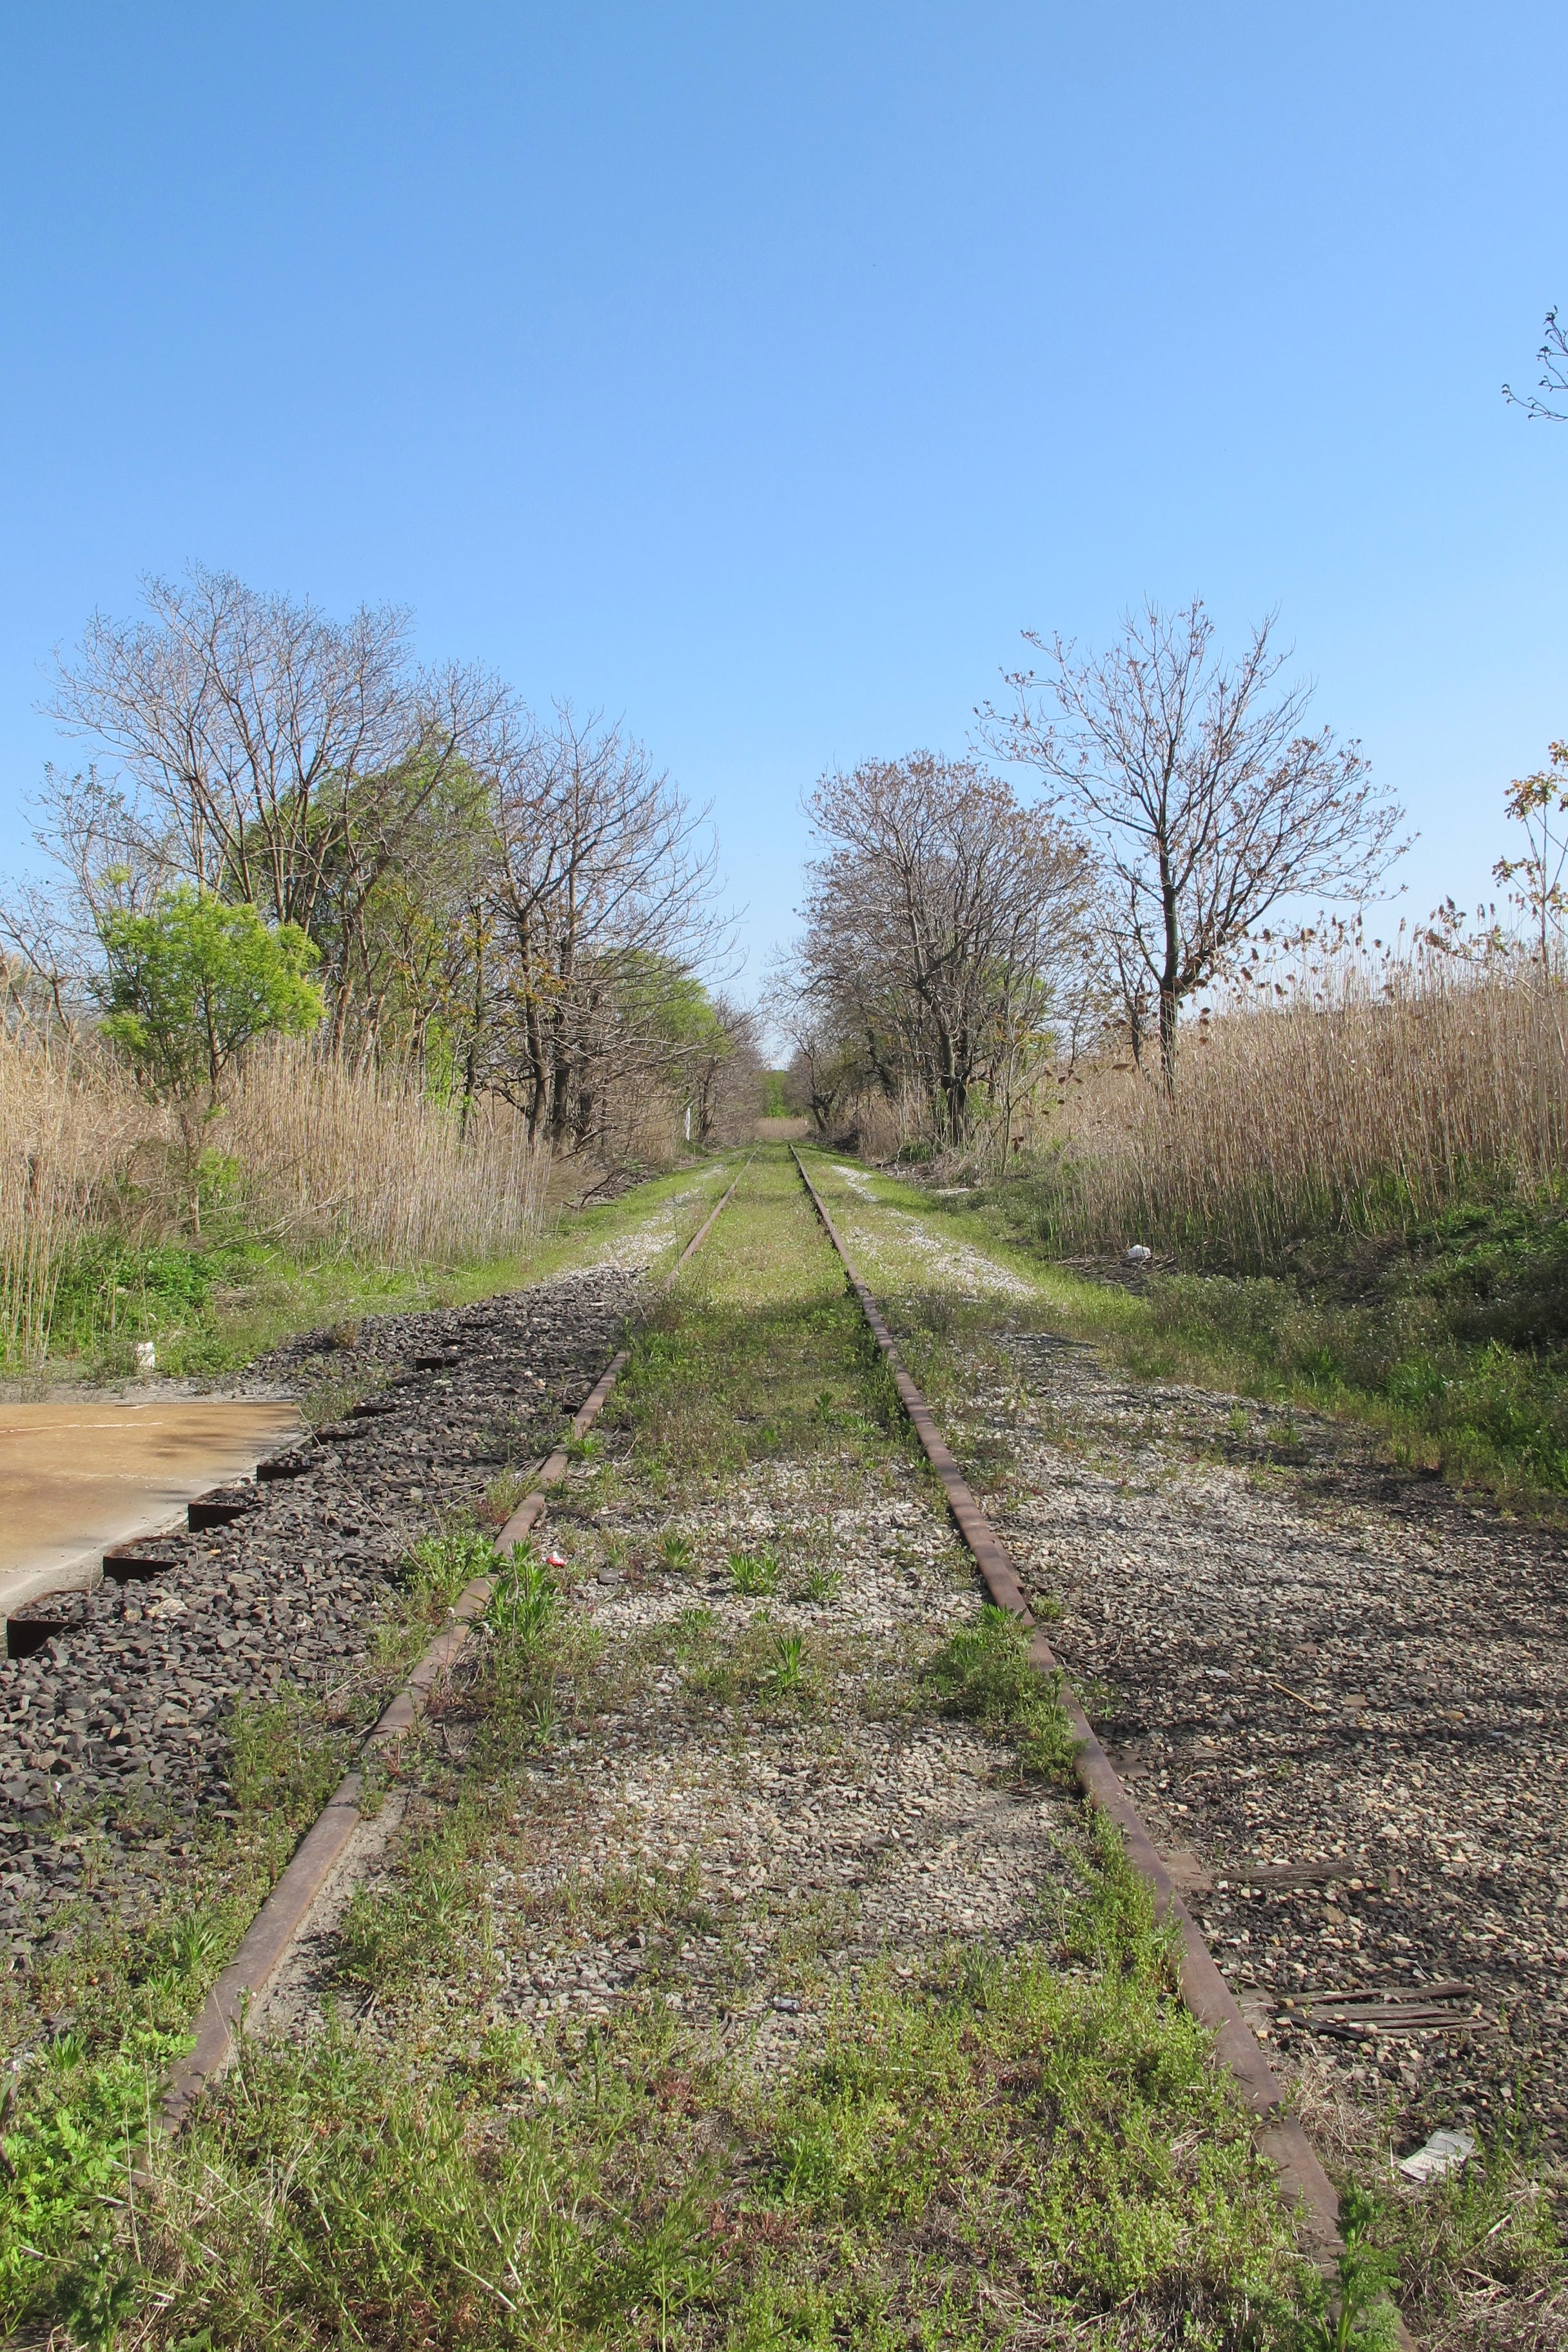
point(65, 2160)
point(442, 1565)
point(525, 1603)
point(285, 1760)
point(818, 1584)
point(983, 1673)
point(787, 1668)
point(754, 1574)
point(675, 1549)
point(1357, 2315)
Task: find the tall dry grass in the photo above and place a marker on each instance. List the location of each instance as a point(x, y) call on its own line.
point(321, 1157)
point(884, 1125)
point(1372, 1093)
point(360, 1159)
point(64, 1134)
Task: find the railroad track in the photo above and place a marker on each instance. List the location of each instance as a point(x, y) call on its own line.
point(319, 1861)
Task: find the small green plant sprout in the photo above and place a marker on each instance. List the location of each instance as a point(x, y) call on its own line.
point(617, 1550)
point(587, 1448)
point(788, 1668)
point(822, 1404)
point(439, 1566)
point(693, 1631)
point(818, 1584)
point(525, 1603)
point(540, 1719)
point(1356, 2314)
point(755, 1574)
point(191, 1943)
point(676, 1552)
point(984, 1673)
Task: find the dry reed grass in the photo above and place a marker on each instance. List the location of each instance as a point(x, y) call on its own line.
point(884, 1126)
point(323, 1156)
point(64, 1133)
point(1370, 1094)
point(362, 1160)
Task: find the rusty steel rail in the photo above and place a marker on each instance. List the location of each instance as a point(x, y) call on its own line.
point(273, 1932)
point(1278, 2133)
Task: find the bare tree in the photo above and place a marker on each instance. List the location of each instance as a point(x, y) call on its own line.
point(1553, 358)
point(1208, 803)
point(275, 755)
point(523, 910)
point(602, 907)
point(724, 1075)
point(940, 922)
point(820, 1068)
point(1540, 803)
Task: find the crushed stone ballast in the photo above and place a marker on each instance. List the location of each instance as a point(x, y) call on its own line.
point(125, 1690)
point(283, 1915)
point(1278, 2133)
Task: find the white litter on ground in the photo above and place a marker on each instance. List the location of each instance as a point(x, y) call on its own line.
point(1443, 2153)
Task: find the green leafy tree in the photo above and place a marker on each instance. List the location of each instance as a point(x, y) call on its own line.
point(190, 983)
point(193, 981)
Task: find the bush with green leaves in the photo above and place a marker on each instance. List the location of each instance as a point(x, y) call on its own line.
point(193, 979)
point(66, 2158)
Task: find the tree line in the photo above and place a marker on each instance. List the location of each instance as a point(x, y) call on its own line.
point(960, 940)
point(407, 862)
point(523, 907)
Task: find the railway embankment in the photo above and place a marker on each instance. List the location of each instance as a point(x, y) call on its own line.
point(729, 1958)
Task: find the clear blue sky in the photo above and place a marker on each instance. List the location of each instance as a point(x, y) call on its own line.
point(759, 373)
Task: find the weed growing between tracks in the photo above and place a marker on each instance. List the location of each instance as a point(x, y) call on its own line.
point(1001, 2139)
point(589, 2075)
point(92, 2026)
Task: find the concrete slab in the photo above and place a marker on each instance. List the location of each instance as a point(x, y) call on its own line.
point(76, 1478)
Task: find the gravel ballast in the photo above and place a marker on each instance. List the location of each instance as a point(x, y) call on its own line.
point(1307, 1666)
point(1337, 1693)
point(857, 1821)
point(121, 1719)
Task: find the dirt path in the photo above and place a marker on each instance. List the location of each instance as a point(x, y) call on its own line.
point(1307, 1669)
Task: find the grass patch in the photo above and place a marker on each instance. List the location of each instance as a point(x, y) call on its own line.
point(983, 1673)
point(91, 2030)
point(1039, 2140)
point(758, 1357)
point(1447, 1333)
point(211, 1306)
point(1489, 2229)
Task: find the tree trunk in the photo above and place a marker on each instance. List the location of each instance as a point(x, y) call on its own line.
point(1170, 1004)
